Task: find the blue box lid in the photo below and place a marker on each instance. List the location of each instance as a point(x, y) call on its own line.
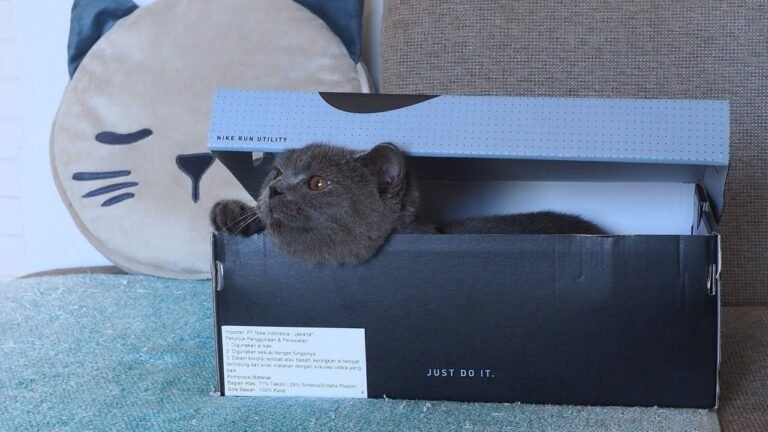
point(688, 138)
point(577, 129)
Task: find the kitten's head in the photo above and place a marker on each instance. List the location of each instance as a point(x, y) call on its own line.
point(331, 205)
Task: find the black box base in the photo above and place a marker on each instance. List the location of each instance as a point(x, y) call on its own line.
point(556, 319)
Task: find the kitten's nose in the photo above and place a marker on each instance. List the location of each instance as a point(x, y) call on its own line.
point(274, 192)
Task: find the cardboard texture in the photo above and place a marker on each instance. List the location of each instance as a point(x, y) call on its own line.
point(560, 319)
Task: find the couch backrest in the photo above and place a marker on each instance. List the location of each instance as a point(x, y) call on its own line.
point(641, 49)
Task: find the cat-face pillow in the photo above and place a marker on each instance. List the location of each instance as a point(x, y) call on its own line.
point(128, 145)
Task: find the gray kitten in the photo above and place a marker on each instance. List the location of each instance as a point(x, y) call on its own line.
point(329, 205)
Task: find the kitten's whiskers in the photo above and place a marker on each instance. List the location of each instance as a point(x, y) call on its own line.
point(243, 216)
point(247, 221)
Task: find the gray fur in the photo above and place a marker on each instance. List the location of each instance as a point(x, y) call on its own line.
point(369, 196)
point(544, 222)
point(235, 217)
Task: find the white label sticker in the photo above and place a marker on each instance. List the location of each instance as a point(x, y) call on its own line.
point(294, 361)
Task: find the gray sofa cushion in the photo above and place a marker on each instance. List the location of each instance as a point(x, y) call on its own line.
point(744, 370)
point(685, 49)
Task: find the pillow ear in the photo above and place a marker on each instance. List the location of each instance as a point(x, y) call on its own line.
point(345, 18)
point(91, 19)
point(386, 163)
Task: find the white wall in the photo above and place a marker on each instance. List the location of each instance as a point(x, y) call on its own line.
point(36, 231)
point(11, 227)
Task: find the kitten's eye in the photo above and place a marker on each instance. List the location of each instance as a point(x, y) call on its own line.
point(278, 173)
point(317, 183)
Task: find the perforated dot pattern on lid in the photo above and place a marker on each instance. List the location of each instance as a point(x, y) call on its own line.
point(629, 130)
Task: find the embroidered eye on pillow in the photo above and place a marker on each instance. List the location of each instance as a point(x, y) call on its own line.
point(128, 146)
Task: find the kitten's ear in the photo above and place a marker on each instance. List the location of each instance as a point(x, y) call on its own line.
point(387, 164)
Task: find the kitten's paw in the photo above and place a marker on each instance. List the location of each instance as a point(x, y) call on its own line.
point(235, 217)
